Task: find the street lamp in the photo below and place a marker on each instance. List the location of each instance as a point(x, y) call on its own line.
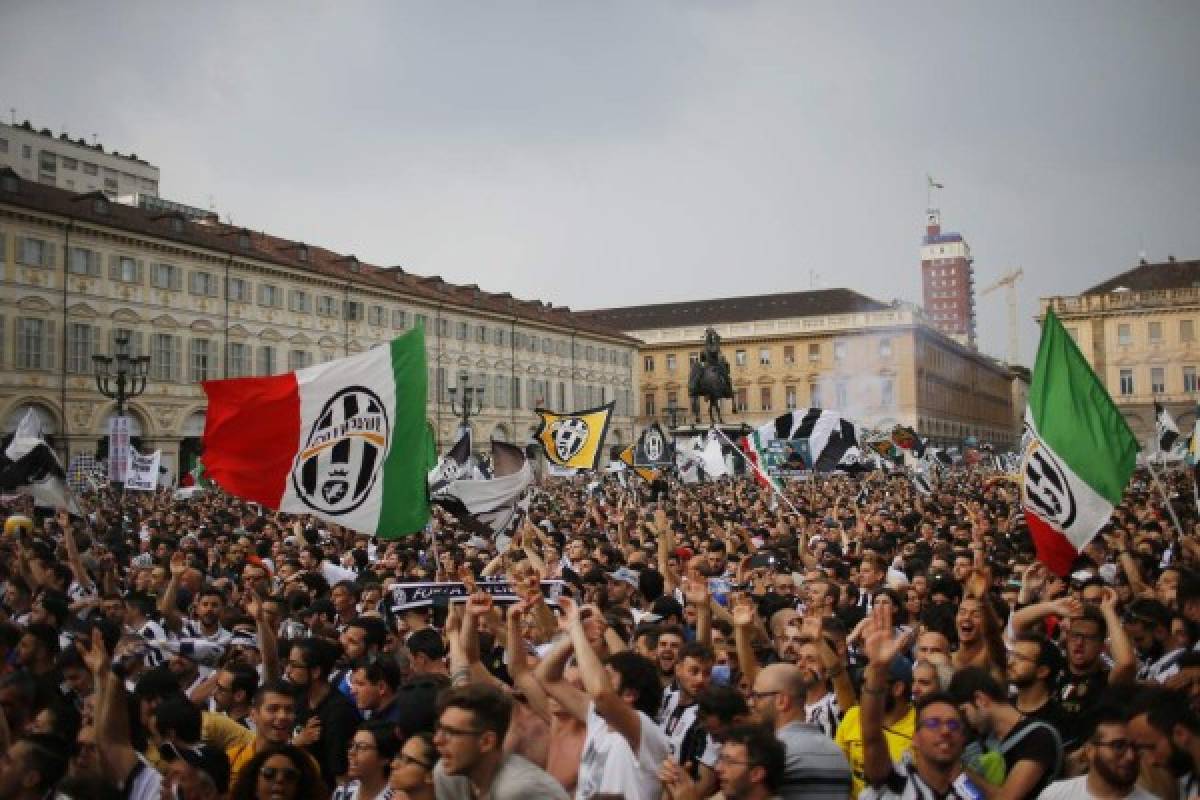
point(472, 400)
point(122, 377)
point(671, 414)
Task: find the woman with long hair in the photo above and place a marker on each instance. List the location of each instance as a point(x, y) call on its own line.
point(284, 772)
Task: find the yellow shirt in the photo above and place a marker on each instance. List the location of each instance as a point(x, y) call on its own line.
point(850, 739)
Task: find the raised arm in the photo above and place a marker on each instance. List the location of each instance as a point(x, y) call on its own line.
point(166, 604)
point(744, 614)
point(880, 646)
point(1124, 668)
point(550, 674)
point(267, 639)
point(112, 711)
point(517, 661)
point(582, 628)
point(1029, 616)
point(73, 560)
point(695, 591)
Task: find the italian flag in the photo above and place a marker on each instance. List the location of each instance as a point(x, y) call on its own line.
point(1078, 452)
point(344, 441)
point(755, 447)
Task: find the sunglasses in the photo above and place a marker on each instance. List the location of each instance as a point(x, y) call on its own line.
point(286, 774)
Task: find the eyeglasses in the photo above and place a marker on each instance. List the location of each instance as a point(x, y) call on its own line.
point(285, 774)
point(404, 759)
point(446, 730)
point(297, 665)
point(935, 724)
point(361, 747)
point(1075, 636)
point(753, 695)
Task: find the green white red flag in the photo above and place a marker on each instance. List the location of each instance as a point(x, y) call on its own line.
point(1078, 453)
point(344, 440)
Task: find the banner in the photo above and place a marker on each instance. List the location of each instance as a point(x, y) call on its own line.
point(788, 458)
point(118, 449)
point(142, 472)
point(428, 593)
point(575, 439)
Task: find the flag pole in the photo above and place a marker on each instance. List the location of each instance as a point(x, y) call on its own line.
point(1166, 497)
point(760, 472)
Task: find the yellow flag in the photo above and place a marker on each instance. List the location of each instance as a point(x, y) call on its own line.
point(645, 473)
point(575, 439)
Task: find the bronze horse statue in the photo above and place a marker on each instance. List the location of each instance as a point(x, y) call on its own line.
point(709, 378)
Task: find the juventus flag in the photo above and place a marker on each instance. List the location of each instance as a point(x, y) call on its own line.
point(575, 439)
point(1164, 427)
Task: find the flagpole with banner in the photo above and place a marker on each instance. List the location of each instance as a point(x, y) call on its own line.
point(760, 472)
point(1166, 497)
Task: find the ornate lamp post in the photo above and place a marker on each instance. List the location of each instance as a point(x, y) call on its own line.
point(121, 377)
point(471, 403)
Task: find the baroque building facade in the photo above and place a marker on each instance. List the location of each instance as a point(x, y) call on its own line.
point(206, 300)
point(878, 364)
point(1138, 331)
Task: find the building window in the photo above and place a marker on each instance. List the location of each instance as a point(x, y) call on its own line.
point(1158, 380)
point(421, 321)
point(1126, 382)
point(460, 331)
point(125, 269)
point(500, 393)
point(1154, 329)
point(200, 360)
point(237, 360)
point(33, 349)
point(164, 357)
point(814, 395)
point(670, 362)
point(34, 252)
point(399, 318)
point(562, 348)
point(839, 351)
point(375, 315)
point(202, 283)
point(299, 301)
point(789, 355)
point(740, 400)
point(269, 296)
point(299, 359)
point(1124, 337)
point(166, 276)
point(648, 364)
point(1187, 333)
point(739, 358)
point(81, 346)
point(515, 394)
point(266, 360)
point(789, 397)
point(885, 348)
point(814, 352)
point(327, 305)
point(843, 394)
point(82, 261)
point(26, 151)
point(764, 397)
point(354, 311)
point(764, 356)
point(89, 168)
point(443, 328)
point(887, 393)
point(672, 399)
point(648, 409)
point(1189, 379)
point(3, 145)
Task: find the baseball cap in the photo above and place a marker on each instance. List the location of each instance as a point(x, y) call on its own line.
point(204, 757)
point(628, 575)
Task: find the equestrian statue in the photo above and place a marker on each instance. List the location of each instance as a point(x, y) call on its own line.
point(710, 379)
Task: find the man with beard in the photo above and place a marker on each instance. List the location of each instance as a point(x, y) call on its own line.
point(934, 769)
point(1112, 759)
point(816, 767)
point(1080, 685)
point(666, 652)
point(1033, 663)
point(822, 706)
point(1167, 734)
point(899, 719)
point(1032, 749)
point(622, 588)
point(308, 666)
point(678, 717)
point(1148, 624)
point(233, 692)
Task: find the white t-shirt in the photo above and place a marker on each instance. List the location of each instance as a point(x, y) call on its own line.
point(146, 784)
point(609, 765)
point(1076, 789)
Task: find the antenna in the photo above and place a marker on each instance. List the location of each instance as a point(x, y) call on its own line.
point(93, 140)
point(12, 113)
point(814, 279)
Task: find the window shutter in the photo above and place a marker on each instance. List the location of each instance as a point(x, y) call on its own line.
point(141, 265)
point(19, 244)
point(114, 268)
point(212, 286)
point(176, 279)
point(50, 353)
point(48, 250)
point(93, 263)
point(96, 333)
point(135, 344)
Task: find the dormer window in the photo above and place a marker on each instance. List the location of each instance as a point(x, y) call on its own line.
point(100, 205)
point(176, 225)
point(9, 183)
point(302, 253)
point(244, 240)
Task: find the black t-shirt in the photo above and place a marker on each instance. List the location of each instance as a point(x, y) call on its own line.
point(1036, 743)
point(1050, 713)
point(1078, 696)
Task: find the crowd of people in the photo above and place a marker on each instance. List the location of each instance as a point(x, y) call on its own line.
point(856, 638)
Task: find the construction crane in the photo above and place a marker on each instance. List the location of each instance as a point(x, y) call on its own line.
point(1009, 282)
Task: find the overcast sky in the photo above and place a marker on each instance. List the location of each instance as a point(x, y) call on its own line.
point(610, 153)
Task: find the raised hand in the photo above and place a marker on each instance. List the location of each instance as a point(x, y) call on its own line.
point(479, 604)
point(95, 656)
point(880, 643)
point(696, 591)
point(744, 611)
point(178, 565)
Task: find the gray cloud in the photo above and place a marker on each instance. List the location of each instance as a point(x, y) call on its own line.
point(601, 154)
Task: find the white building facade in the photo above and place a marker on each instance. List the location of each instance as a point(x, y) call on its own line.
point(73, 164)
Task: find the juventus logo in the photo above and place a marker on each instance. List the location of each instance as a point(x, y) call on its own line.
point(343, 453)
point(1045, 487)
